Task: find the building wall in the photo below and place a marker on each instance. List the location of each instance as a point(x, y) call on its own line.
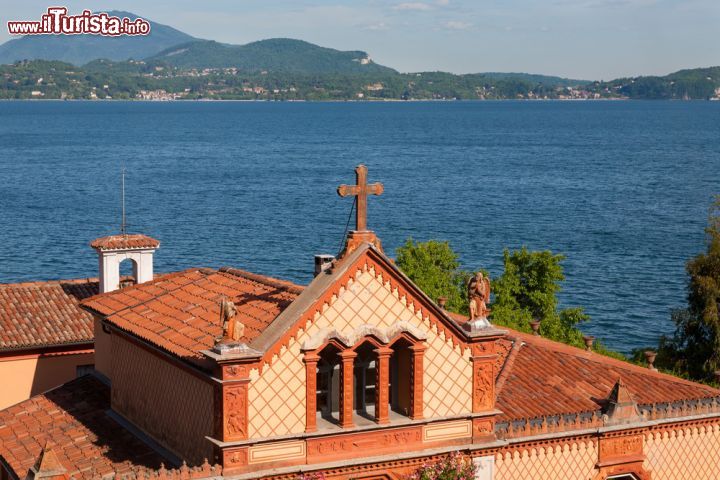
point(684, 453)
point(171, 405)
point(102, 349)
point(562, 461)
point(28, 375)
point(277, 397)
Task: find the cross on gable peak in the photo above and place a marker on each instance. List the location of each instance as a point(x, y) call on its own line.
point(361, 190)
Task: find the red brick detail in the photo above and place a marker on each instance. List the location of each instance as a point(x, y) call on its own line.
point(234, 459)
point(417, 371)
point(364, 444)
point(382, 385)
point(235, 411)
point(483, 398)
point(483, 429)
point(311, 361)
point(347, 358)
point(620, 448)
point(357, 238)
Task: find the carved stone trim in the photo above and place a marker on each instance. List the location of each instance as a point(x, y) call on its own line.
point(483, 393)
point(235, 412)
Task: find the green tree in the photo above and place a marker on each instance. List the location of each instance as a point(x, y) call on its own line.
point(694, 349)
point(527, 290)
point(434, 267)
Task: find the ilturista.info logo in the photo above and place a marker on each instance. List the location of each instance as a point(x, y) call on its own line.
point(56, 21)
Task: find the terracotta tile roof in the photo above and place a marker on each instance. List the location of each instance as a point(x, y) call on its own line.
point(37, 314)
point(72, 419)
point(180, 312)
point(540, 377)
point(123, 241)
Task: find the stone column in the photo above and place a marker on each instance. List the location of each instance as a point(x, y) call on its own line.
point(311, 360)
point(416, 380)
point(382, 385)
point(347, 357)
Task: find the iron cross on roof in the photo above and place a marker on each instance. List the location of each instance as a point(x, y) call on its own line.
point(361, 191)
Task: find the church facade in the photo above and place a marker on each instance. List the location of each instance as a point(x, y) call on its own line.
point(357, 375)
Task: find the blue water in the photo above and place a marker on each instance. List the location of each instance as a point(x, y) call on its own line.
point(621, 188)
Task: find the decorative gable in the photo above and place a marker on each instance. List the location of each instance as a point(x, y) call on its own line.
point(368, 298)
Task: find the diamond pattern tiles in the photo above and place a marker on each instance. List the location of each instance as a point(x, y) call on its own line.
point(278, 407)
point(575, 461)
point(690, 453)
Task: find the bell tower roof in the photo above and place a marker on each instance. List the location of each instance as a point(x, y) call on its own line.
point(124, 241)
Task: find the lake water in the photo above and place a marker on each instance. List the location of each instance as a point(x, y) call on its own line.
point(621, 188)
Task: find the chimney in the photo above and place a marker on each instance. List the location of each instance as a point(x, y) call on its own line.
point(115, 249)
point(323, 262)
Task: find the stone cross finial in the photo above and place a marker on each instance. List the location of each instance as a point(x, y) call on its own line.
point(361, 191)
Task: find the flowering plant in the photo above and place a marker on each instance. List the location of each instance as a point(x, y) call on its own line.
point(453, 467)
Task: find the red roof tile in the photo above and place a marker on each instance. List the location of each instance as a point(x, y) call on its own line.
point(73, 419)
point(38, 314)
point(540, 377)
point(537, 377)
point(180, 312)
point(124, 241)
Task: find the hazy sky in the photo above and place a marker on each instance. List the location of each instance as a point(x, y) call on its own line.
point(588, 39)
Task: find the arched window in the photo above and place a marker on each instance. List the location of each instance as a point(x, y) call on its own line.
point(400, 377)
point(327, 393)
point(365, 377)
point(128, 272)
point(370, 380)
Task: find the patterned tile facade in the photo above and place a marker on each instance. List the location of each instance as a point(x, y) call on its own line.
point(277, 397)
point(687, 453)
point(168, 403)
point(575, 461)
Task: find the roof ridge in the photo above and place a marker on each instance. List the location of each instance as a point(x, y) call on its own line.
point(508, 364)
point(256, 277)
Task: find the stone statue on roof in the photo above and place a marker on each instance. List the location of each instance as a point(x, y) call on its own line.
point(478, 288)
point(233, 329)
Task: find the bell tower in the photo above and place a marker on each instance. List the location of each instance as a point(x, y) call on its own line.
point(115, 249)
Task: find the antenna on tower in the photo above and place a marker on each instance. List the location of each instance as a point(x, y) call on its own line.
point(123, 223)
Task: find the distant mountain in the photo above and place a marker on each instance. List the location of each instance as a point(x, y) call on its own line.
point(278, 55)
point(535, 79)
point(81, 49)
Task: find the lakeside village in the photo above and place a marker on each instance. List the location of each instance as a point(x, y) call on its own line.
point(103, 80)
